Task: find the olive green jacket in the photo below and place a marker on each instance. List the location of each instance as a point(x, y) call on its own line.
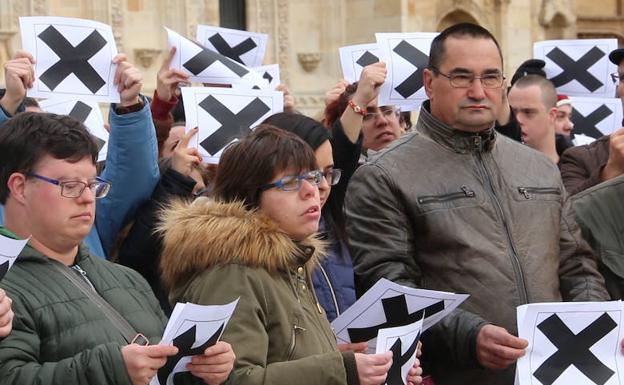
point(600, 213)
point(215, 253)
point(59, 336)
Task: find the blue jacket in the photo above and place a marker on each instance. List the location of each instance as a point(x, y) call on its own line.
point(333, 278)
point(131, 167)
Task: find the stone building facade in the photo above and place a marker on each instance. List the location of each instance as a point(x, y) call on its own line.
point(304, 35)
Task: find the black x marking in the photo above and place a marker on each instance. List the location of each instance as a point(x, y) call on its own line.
point(573, 349)
point(588, 124)
point(267, 76)
point(72, 59)
point(367, 58)
point(234, 52)
point(3, 269)
point(576, 70)
point(184, 342)
point(395, 310)
point(395, 377)
point(206, 57)
point(419, 60)
point(80, 111)
point(233, 126)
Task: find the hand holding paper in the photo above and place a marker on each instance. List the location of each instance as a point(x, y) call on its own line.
point(19, 75)
point(6, 314)
point(497, 349)
point(215, 365)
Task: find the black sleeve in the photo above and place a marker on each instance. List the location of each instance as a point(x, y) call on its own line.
point(511, 129)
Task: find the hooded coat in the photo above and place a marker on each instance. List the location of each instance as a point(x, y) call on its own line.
point(214, 253)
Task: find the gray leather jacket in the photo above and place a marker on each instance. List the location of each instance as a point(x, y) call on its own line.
point(468, 213)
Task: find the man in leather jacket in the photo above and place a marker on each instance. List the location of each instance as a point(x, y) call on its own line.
point(456, 207)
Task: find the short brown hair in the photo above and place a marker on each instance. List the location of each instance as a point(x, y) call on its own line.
point(255, 160)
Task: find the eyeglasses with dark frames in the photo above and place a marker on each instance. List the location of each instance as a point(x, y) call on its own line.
point(465, 79)
point(75, 188)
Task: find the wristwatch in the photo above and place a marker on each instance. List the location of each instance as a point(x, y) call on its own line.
point(357, 109)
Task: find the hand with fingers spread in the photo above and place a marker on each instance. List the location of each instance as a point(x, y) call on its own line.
point(615, 163)
point(185, 158)
point(334, 94)
point(373, 368)
point(6, 314)
point(369, 85)
point(497, 349)
point(356, 347)
point(128, 80)
point(19, 75)
point(215, 365)
point(289, 101)
point(168, 79)
point(142, 362)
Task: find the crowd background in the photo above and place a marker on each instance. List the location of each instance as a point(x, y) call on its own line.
point(399, 213)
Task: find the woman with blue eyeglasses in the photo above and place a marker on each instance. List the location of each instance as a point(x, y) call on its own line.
point(254, 240)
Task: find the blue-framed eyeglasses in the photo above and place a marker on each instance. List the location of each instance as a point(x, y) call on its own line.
point(293, 182)
point(75, 188)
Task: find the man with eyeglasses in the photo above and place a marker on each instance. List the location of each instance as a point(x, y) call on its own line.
point(78, 319)
point(458, 208)
point(585, 166)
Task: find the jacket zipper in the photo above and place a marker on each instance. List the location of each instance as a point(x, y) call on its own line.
point(293, 341)
point(465, 193)
point(527, 191)
point(83, 274)
point(331, 290)
point(515, 262)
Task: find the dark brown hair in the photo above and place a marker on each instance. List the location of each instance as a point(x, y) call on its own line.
point(255, 160)
point(28, 137)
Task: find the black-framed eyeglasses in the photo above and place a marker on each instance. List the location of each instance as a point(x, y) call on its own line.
point(294, 182)
point(75, 188)
point(387, 112)
point(465, 79)
point(617, 77)
point(332, 175)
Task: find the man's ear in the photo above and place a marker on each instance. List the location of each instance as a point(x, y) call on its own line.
point(552, 114)
point(17, 186)
point(427, 79)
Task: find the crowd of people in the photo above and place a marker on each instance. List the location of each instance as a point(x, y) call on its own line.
point(298, 219)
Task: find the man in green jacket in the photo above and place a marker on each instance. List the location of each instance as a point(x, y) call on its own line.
point(78, 319)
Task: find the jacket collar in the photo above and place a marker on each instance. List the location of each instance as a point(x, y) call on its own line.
point(32, 254)
point(207, 233)
point(458, 141)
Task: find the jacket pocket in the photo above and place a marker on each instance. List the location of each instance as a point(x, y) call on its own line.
point(538, 193)
point(462, 197)
point(296, 329)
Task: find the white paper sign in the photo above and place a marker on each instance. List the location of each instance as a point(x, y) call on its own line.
point(9, 250)
point(388, 304)
point(579, 67)
point(88, 113)
point(402, 341)
point(245, 47)
point(354, 58)
point(406, 55)
point(223, 115)
point(192, 328)
point(208, 66)
point(595, 117)
point(571, 343)
point(73, 58)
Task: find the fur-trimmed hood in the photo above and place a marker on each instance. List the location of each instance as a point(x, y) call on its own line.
point(206, 233)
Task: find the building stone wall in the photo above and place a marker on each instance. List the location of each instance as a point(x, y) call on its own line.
point(305, 34)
